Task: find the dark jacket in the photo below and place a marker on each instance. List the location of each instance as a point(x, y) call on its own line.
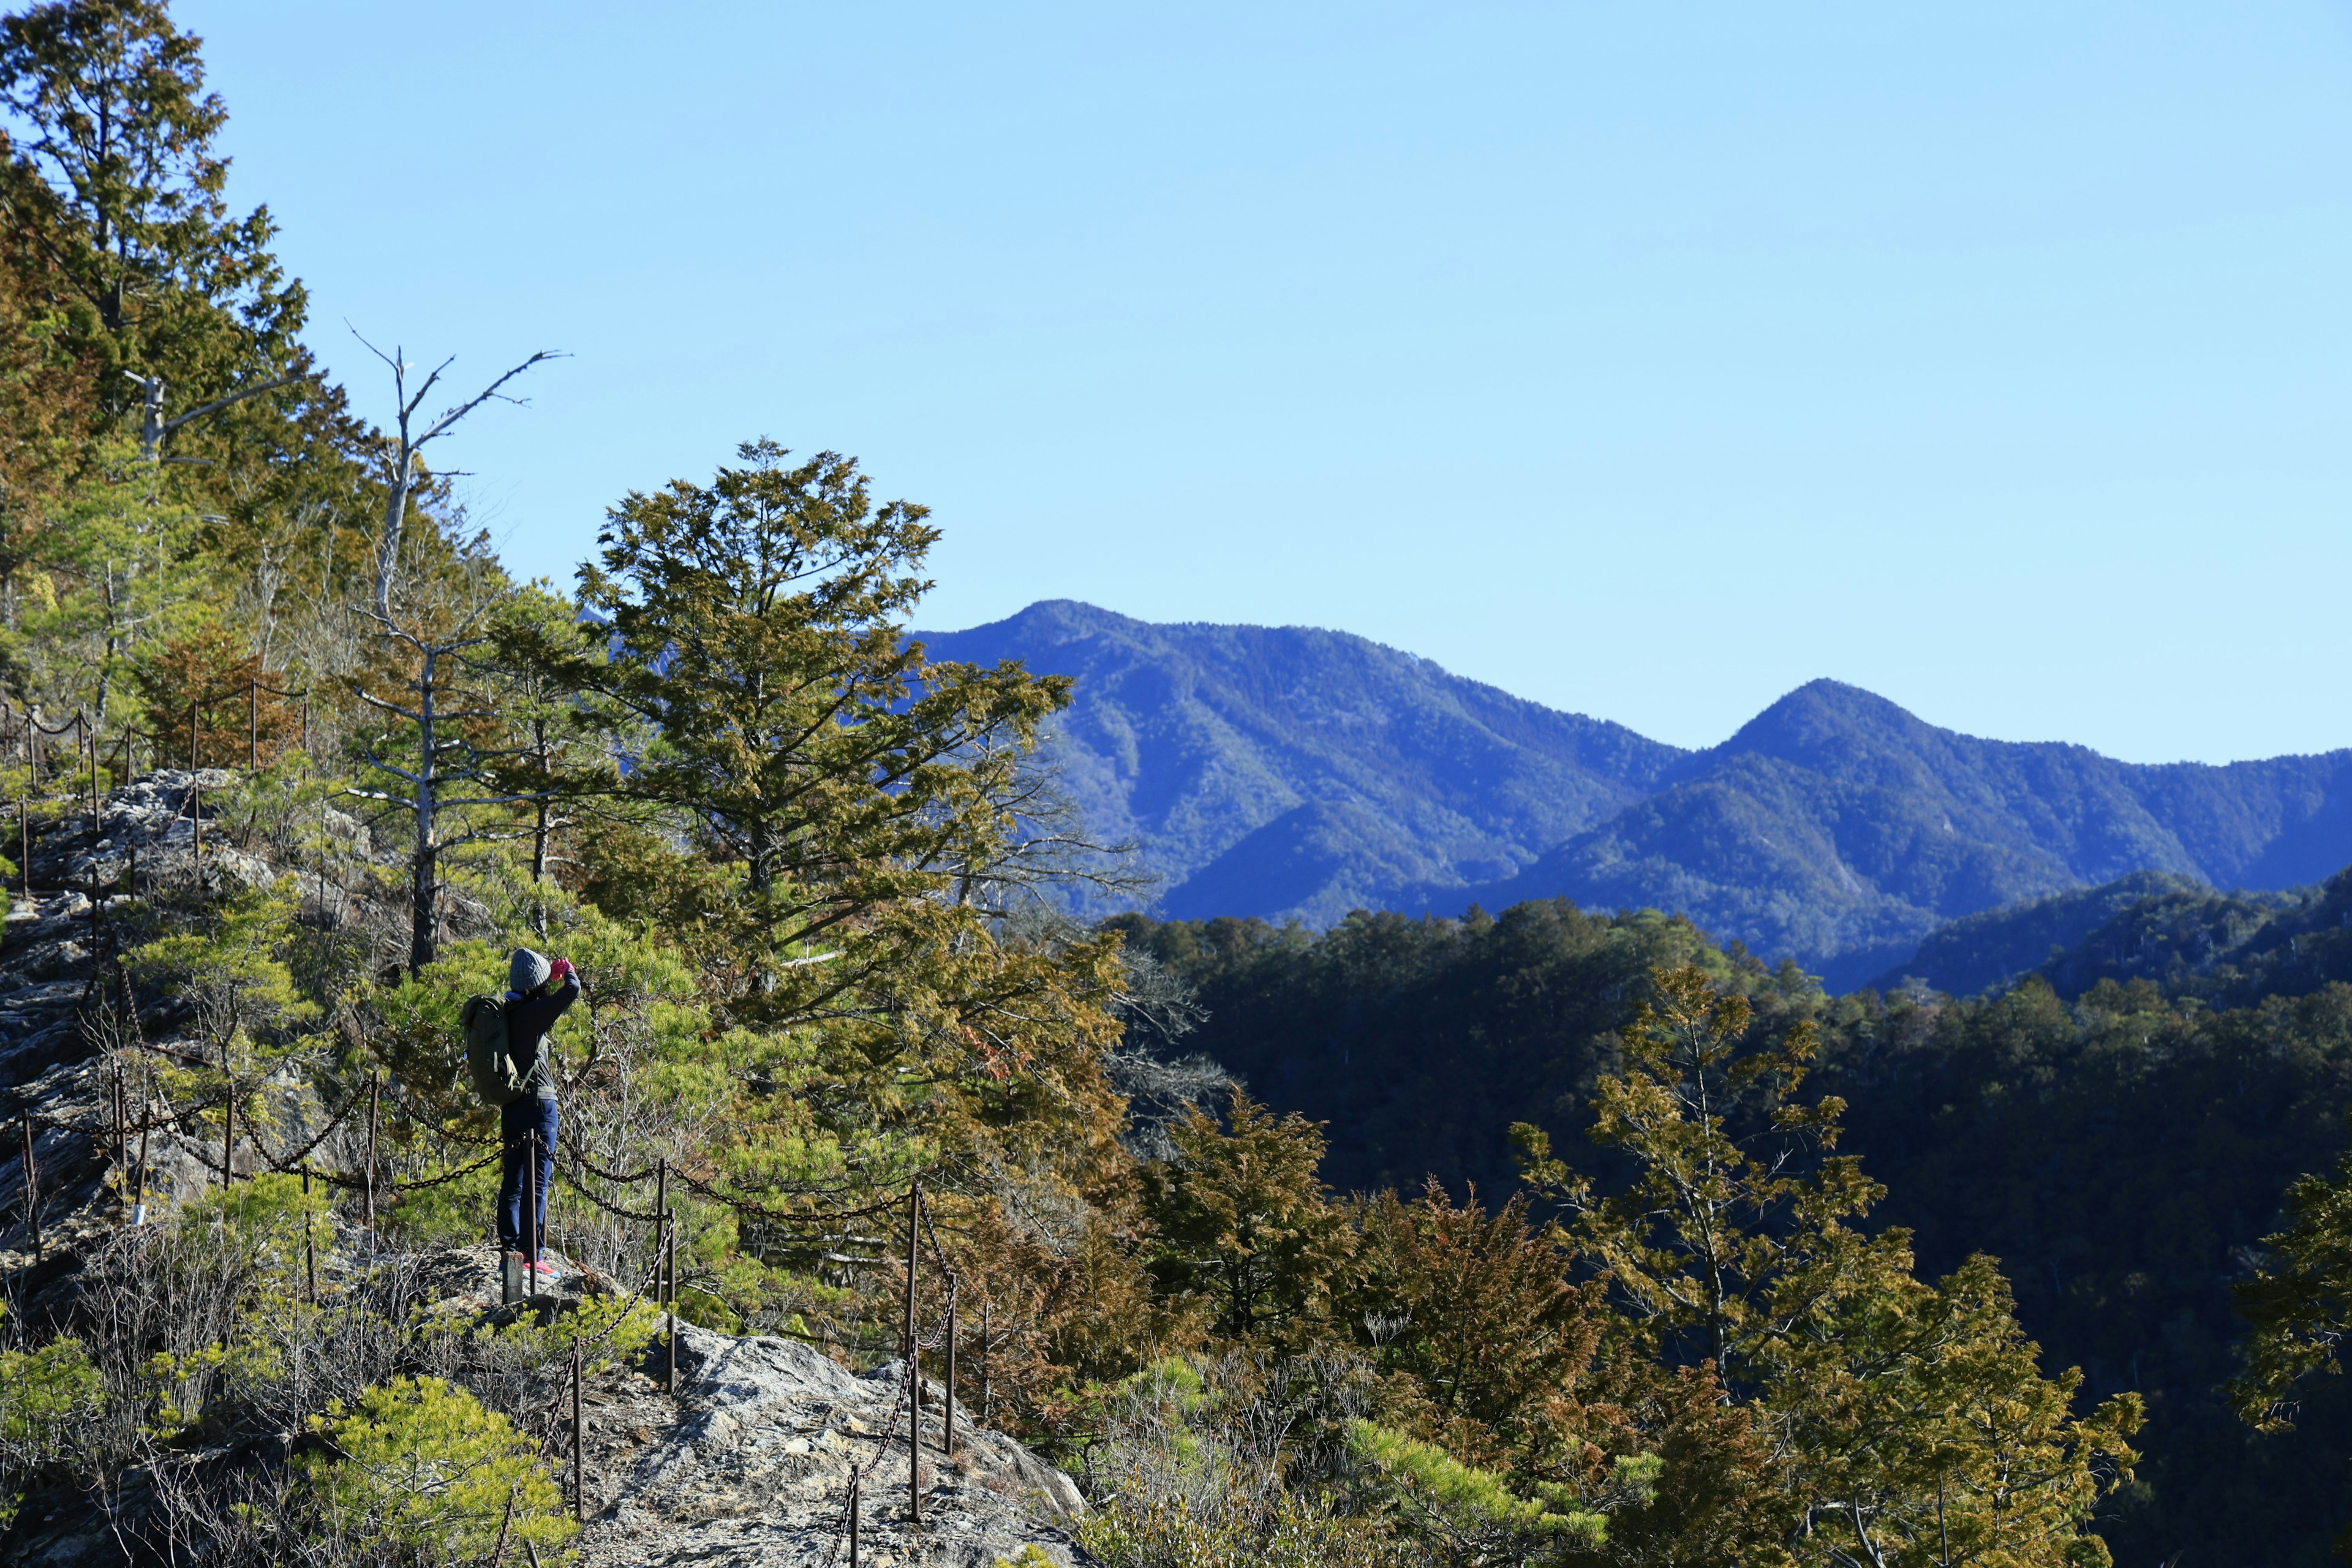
point(528, 1020)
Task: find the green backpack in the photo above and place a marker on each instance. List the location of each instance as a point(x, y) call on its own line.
point(487, 1057)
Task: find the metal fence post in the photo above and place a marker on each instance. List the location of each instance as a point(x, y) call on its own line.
point(531, 1216)
point(375, 1101)
point(914, 1366)
point(669, 1289)
point(579, 1461)
point(947, 1414)
point(139, 1187)
point(121, 1131)
point(32, 1186)
point(309, 1251)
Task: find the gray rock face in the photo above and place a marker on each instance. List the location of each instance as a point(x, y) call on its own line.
point(747, 1465)
point(755, 1470)
point(154, 818)
point(56, 962)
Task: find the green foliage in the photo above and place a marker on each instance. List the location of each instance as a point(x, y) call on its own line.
point(44, 1393)
point(1725, 1240)
point(269, 1210)
point(2299, 1301)
point(1186, 1479)
point(1916, 1414)
point(418, 1463)
point(120, 137)
point(130, 580)
point(1176, 1532)
point(1243, 1223)
point(232, 966)
point(1992, 950)
point(812, 922)
point(1419, 1041)
point(1478, 1312)
point(1470, 1508)
point(757, 620)
point(2122, 1153)
point(614, 1328)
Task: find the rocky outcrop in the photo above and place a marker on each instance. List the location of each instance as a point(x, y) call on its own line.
point(754, 1469)
point(747, 1463)
point(62, 1011)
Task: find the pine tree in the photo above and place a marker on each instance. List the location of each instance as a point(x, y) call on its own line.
point(1477, 1310)
point(115, 182)
point(1243, 1223)
point(1920, 1429)
point(2299, 1301)
point(757, 624)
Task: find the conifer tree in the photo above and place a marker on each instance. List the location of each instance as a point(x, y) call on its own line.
point(114, 180)
point(1478, 1310)
point(1920, 1429)
point(2299, 1301)
point(1243, 1225)
point(757, 624)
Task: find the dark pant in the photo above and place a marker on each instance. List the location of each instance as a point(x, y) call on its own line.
point(517, 1121)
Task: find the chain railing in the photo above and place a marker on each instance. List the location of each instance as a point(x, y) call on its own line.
point(572, 1165)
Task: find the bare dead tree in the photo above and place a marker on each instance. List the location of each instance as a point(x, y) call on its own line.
point(406, 443)
point(154, 426)
point(452, 770)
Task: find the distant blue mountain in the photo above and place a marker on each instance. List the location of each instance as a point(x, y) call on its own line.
point(1293, 773)
point(1289, 771)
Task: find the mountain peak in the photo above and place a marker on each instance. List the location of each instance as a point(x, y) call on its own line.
point(1289, 771)
point(1049, 623)
point(1294, 770)
point(1827, 713)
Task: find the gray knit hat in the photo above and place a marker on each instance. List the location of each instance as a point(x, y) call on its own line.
point(527, 972)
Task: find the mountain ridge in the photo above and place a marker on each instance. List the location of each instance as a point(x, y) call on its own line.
point(1360, 768)
point(1298, 773)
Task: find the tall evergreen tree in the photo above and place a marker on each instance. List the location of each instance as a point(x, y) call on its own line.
point(114, 180)
point(757, 624)
point(1920, 1428)
point(1244, 1227)
point(2299, 1303)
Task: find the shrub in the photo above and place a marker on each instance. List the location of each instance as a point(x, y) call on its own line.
point(44, 1393)
point(418, 1462)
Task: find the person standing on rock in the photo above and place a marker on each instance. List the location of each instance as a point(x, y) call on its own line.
point(532, 1009)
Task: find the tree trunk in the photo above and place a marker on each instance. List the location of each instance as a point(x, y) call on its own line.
point(396, 514)
point(424, 864)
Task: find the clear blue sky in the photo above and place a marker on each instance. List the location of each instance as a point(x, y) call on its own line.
point(1645, 361)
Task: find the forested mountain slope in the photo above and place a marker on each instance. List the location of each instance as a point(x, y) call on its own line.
point(1286, 771)
point(1994, 950)
point(2225, 950)
point(1840, 829)
point(2121, 1151)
